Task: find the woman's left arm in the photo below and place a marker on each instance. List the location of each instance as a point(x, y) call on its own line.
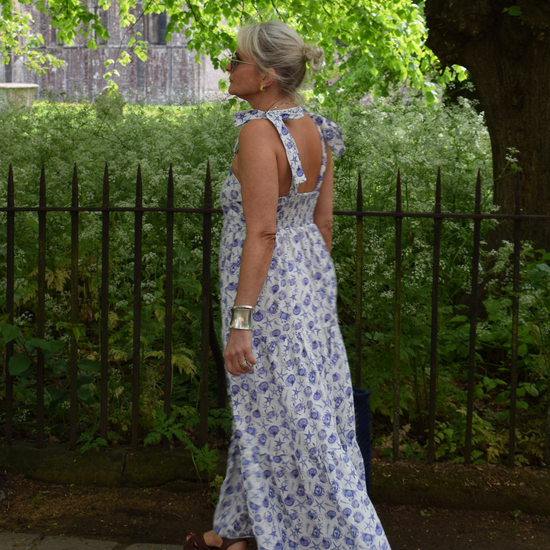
point(257, 172)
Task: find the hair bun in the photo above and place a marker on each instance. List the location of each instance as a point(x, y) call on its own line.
point(315, 55)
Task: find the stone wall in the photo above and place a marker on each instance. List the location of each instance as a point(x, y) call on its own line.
point(170, 74)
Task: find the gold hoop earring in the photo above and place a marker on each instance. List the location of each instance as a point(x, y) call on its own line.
point(262, 89)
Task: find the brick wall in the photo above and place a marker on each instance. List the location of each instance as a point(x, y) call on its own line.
point(170, 74)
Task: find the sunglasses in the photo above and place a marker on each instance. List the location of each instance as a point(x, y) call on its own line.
point(234, 59)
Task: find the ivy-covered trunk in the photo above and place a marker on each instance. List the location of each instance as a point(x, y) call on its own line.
point(506, 47)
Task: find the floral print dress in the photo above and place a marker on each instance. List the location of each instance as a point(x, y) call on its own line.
point(295, 475)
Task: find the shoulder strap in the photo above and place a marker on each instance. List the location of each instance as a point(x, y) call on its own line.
point(324, 162)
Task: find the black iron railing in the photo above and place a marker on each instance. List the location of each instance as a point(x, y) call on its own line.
point(209, 340)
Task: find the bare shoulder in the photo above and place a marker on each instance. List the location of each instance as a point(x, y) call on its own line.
point(258, 133)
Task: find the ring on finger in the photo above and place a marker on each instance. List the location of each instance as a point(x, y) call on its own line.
point(243, 364)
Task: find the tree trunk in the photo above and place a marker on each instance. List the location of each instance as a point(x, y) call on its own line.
point(508, 57)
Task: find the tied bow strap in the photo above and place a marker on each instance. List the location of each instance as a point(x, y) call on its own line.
point(240, 118)
point(331, 132)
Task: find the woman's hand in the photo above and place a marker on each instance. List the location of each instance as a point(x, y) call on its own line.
point(239, 350)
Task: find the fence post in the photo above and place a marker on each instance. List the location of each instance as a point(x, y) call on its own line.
point(168, 305)
point(359, 287)
point(74, 312)
point(515, 330)
point(104, 336)
point(547, 431)
point(397, 319)
point(218, 358)
point(435, 300)
point(473, 325)
point(10, 288)
point(136, 366)
point(41, 313)
point(206, 300)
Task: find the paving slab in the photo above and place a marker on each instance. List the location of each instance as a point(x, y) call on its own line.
point(143, 546)
point(21, 541)
point(68, 543)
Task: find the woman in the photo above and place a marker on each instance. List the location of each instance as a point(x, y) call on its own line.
point(295, 475)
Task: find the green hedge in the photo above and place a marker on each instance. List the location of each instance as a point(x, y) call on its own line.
point(380, 139)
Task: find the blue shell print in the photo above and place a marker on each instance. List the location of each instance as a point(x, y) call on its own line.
point(295, 476)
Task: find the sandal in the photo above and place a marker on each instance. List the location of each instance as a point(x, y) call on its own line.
point(196, 541)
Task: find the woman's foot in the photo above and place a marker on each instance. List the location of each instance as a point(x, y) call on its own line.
point(214, 540)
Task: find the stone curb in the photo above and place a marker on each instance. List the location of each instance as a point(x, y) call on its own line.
point(487, 487)
point(402, 483)
point(118, 467)
point(26, 541)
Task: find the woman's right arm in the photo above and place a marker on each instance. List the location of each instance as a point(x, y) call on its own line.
point(323, 211)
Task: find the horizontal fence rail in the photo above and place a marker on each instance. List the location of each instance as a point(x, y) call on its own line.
point(209, 341)
point(359, 213)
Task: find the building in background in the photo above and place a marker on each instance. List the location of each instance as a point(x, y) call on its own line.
point(170, 74)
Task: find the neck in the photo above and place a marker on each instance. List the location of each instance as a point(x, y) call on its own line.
point(263, 101)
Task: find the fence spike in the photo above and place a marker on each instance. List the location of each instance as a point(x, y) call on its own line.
point(398, 192)
point(42, 198)
point(170, 187)
point(477, 207)
point(106, 185)
point(438, 192)
point(10, 185)
point(75, 185)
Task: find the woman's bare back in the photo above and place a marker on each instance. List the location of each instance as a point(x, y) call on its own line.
point(306, 135)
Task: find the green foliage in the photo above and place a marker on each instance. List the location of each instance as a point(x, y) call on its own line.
point(90, 441)
point(169, 427)
point(57, 136)
point(417, 140)
point(514, 11)
point(9, 332)
point(18, 39)
point(488, 444)
point(490, 429)
point(220, 419)
point(204, 458)
point(380, 138)
point(369, 45)
point(216, 485)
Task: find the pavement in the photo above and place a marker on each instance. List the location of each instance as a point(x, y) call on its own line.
point(26, 541)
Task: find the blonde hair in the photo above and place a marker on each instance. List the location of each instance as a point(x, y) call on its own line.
point(274, 45)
